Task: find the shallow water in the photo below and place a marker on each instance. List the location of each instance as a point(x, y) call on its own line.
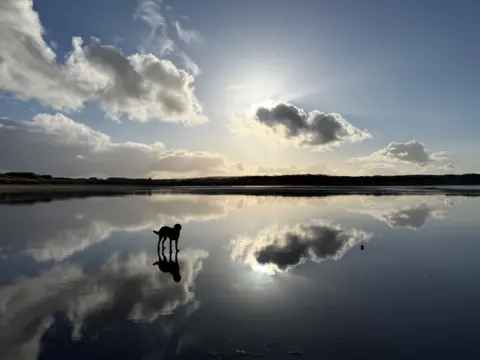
point(260, 276)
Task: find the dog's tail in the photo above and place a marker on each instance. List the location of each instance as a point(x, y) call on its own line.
point(155, 231)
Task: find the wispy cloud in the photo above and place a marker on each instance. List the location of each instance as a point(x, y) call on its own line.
point(158, 40)
point(150, 12)
point(188, 36)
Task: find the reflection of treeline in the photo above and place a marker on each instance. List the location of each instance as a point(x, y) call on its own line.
point(285, 180)
point(26, 198)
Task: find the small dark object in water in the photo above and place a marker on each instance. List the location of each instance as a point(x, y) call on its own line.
point(295, 353)
point(361, 247)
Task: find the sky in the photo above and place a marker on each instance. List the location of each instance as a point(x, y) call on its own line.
point(177, 88)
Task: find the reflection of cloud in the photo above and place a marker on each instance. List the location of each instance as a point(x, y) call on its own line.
point(57, 232)
point(123, 290)
point(411, 212)
point(413, 218)
point(68, 242)
point(26, 308)
point(281, 248)
point(133, 290)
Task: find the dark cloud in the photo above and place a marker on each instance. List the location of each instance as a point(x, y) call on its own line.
point(413, 152)
point(312, 129)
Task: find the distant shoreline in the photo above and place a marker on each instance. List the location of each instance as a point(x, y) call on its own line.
point(24, 185)
point(32, 179)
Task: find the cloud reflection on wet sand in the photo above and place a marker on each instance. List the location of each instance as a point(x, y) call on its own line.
point(280, 248)
point(124, 289)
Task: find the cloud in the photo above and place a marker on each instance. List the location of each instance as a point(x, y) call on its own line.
point(141, 86)
point(150, 12)
point(412, 152)
point(293, 169)
point(286, 123)
point(122, 290)
point(28, 65)
point(188, 36)
point(190, 65)
point(158, 41)
point(278, 249)
point(57, 145)
point(448, 168)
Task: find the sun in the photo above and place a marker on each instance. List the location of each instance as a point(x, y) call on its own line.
point(254, 89)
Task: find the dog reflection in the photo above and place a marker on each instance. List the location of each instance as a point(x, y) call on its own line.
point(169, 266)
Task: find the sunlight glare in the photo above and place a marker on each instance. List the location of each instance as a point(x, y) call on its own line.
point(254, 89)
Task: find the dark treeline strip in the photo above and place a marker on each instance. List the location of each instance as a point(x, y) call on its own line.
point(19, 178)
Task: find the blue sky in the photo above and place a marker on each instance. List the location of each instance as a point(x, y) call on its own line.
point(368, 87)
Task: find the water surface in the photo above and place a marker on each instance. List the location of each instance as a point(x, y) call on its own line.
point(260, 276)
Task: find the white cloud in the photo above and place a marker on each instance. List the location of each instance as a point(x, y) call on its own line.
point(411, 152)
point(285, 123)
point(57, 145)
point(141, 86)
point(280, 248)
point(188, 36)
point(28, 65)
